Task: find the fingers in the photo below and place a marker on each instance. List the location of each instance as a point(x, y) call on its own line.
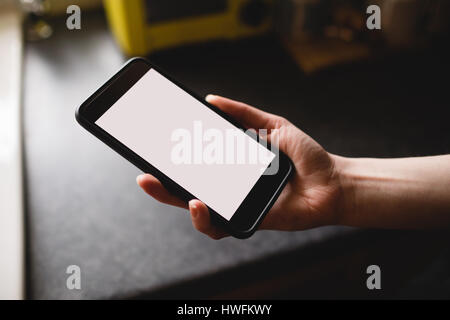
point(154, 188)
point(199, 212)
point(201, 220)
point(248, 116)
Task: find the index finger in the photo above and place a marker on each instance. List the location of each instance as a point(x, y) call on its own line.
point(247, 115)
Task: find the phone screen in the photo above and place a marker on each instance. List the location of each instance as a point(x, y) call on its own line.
point(190, 143)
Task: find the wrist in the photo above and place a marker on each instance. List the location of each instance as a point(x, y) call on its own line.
point(392, 193)
point(346, 202)
point(371, 191)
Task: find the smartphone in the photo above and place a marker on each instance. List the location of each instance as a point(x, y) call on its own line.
point(194, 149)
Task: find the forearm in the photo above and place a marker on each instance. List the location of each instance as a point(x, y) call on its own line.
point(395, 193)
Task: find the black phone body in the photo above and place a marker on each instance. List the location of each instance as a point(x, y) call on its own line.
point(250, 212)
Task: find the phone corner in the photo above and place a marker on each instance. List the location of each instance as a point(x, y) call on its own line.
point(243, 235)
point(137, 59)
point(78, 116)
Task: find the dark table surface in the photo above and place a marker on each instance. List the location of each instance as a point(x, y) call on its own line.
point(83, 205)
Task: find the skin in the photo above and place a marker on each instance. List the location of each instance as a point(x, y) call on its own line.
point(331, 190)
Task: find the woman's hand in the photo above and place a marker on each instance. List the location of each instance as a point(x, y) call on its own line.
point(310, 199)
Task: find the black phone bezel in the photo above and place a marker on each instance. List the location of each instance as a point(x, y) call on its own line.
point(258, 202)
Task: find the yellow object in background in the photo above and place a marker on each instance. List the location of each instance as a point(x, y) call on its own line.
point(143, 26)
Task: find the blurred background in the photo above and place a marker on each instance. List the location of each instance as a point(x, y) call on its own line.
point(66, 199)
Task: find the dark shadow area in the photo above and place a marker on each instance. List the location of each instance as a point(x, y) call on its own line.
point(333, 270)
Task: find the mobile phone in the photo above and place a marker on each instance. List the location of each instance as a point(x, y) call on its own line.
point(192, 147)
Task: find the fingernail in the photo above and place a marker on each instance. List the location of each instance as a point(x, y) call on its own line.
point(139, 177)
point(209, 97)
point(193, 208)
